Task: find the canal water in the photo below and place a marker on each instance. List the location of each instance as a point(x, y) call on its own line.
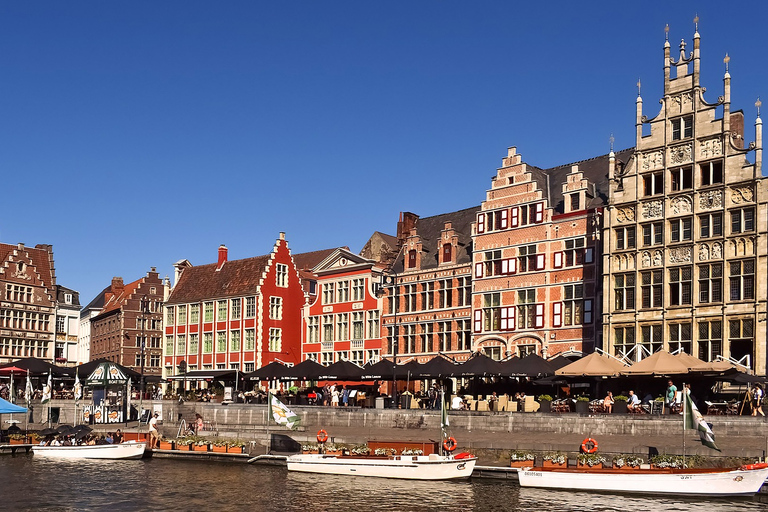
point(29, 483)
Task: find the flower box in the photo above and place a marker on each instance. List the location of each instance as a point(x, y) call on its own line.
point(521, 464)
point(17, 441)
point(550, 464)
point(235, 449)
point(218, 449)
point(166, 445)
point(198, 447)
point(625, 467)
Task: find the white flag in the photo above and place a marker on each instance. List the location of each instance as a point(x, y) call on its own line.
point(47, 390)
point(282, 414)
point(78, 388)
point(28, 393)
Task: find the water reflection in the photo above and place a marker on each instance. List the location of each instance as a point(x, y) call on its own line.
point(161, 484)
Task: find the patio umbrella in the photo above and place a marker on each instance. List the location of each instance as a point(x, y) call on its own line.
point(378, 371)
point(559, 361)
point(86, 369)
point(340, 370)
point(693, 363)
point(38, 367)
point(409, 369)
point(534, 365)
point(305, 370)
point(272, 371)
point(658, 363)
point(437, 367)
point(7, 407)
point(479, 365)
point(593, 365)
point(48, 432)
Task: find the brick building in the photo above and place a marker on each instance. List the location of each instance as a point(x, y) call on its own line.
point(131, 319)
point(343, 321)
point(239, 314)
point(27, 302)
point(685, 231)
point(429, 288)
point(535, 261)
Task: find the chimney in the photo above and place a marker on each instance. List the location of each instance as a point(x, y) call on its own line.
point(117, 285)
point(222, 256)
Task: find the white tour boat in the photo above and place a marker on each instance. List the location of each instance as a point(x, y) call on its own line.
point(744, 481)
point(127, 450)
point(412, 467)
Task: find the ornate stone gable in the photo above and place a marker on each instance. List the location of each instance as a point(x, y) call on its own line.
point(680, 154)
point(710, 148)
point(653, 209)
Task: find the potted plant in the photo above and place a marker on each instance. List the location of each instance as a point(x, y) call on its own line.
point(591, 460)
point(310, 448)
point(627, 461)
point(17, 438)
point(521, 459)
point(235, 446)
point(555, 459)
point(166, 445)
point(412, 451)
point(545, 402)
point(361, 449)
point(385, 452)
point(219, 446)
point(620, 404)
point(582, 405)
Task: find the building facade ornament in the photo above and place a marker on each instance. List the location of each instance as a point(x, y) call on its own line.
point(711, 199)
point(680, 255)
point(680, 154)
point(683, 101)
point(652, 160)
point(744, 194)
point(710, 148)
point(653, 209)
point(681, 204)
point(625, 214)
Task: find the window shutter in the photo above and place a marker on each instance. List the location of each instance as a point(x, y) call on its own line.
point(481, 223)
point(504, 320)
point(478, 270)
point(515, 216)
point(557, 260)
point(478, 320)
point(557, 314)
point(512, 265)
point(539, 262)
point(539, 213)
point(505, 266)
point(504, 214)
point(588, 311)
point(539, 315)
point(511, 317)
point(588, 255)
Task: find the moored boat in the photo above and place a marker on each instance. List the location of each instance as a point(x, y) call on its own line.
point(127, 450)
point(411, 467)
point(743, 481)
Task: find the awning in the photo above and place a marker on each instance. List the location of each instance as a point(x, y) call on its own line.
point(206, 375)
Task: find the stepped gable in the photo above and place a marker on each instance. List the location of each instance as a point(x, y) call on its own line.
point(235, 278)
point(114, 301)
point(595, 170)
point(41, 259)
point(429, 229)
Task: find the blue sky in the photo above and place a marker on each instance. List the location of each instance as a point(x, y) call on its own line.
point(135, 134)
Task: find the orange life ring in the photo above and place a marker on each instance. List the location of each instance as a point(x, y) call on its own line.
point(759, 465)
point(322, 436)
point(589, 445)
point(449, 444)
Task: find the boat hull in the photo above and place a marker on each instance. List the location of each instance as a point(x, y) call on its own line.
point(129, 450)
point(423, 467)
point(735, 482)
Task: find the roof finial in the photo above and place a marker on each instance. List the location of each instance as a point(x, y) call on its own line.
point(638, 87)
point(758, 104)
point(696, 22)
point(666, 33)
point(612, 140)
point(726, 60)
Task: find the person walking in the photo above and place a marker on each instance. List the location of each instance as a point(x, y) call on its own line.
point(670, 395)
point(154, 435)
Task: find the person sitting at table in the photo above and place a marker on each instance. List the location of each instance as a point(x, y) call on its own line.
point(608, 403)
point(456, 403)
point(633, 402)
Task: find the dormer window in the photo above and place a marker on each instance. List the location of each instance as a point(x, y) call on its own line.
point(412, 259)
point(68, 298)
point(575, 202)
point(447, 253)
point(682, 128)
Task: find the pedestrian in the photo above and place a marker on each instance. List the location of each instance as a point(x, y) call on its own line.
point(345, 396)
point(671, 394)
point(757, 400)
point(154, 435)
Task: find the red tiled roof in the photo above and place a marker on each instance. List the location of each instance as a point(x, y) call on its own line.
point(236, 277)
point(115, 302)
point(309, 260)
point(39, 259)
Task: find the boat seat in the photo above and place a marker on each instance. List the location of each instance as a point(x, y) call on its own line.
point(434, 456)
point(503, 403)
point(482, 405)
point(530, 404)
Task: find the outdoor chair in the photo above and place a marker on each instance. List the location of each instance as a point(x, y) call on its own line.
point(596, 406)
point(502, 404)
point(482, 405)
point(530, 404)
point(561, 405)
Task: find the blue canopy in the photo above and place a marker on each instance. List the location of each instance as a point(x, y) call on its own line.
point(7, 407)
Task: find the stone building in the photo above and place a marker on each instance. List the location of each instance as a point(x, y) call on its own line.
point(128, 329)
point(67, 326)
point(27, 302)
point(429, 288)
point(685, 230)
point(535, 262)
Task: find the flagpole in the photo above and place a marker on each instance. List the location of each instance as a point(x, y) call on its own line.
point(269, 415)
point(685, 407)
